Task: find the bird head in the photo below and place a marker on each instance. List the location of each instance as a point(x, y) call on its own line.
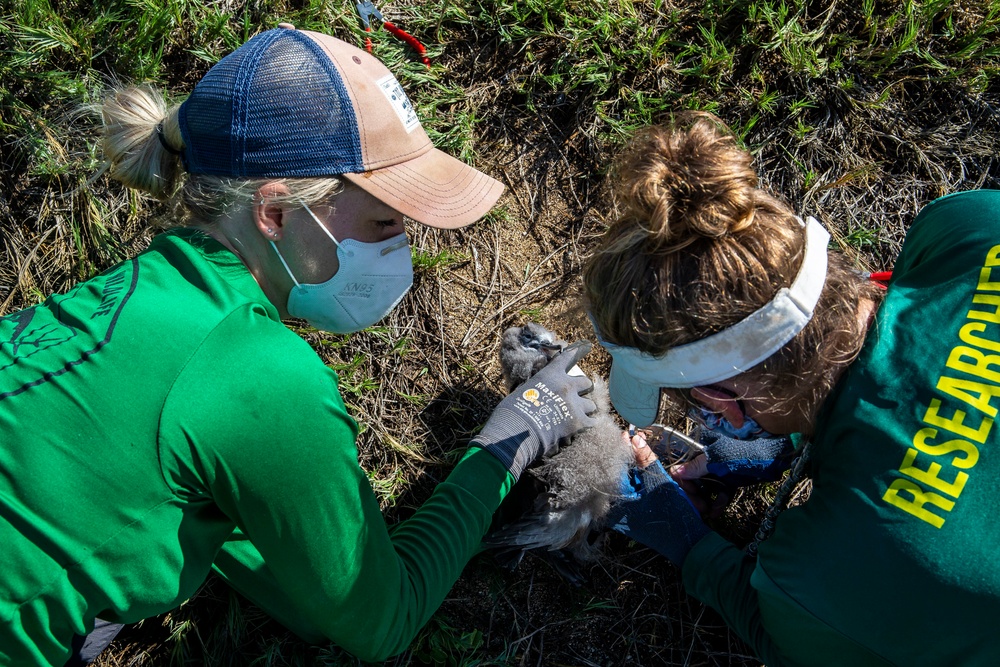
point(536, 337)
point(525, 350)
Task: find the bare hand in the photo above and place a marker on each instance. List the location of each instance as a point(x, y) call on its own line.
point(688, 476)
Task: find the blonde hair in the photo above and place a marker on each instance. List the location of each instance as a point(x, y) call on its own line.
point(137, 123)
point(696, 246)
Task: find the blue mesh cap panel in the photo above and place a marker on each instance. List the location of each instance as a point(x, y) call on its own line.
point(274, 107)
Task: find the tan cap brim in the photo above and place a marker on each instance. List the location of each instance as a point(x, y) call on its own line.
point(433, 188)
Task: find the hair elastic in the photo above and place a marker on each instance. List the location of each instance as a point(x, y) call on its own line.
point(163, 140)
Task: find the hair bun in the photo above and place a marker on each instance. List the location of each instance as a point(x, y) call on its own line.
point(686, 181)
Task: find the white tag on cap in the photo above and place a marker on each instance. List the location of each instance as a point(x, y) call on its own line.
point(399, 101)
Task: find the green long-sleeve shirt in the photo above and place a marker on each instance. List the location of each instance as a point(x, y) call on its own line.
point(161, 409)
point(893, 559)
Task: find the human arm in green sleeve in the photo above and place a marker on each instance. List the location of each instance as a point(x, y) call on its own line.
point(242, 566)
point(273, 446)
point(718, 574)
point(779, 628)
point(655, 511)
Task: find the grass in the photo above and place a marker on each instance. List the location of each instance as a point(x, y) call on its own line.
point(857, 113)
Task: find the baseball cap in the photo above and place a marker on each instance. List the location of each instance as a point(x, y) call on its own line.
point(636, 376)
point(295, 103)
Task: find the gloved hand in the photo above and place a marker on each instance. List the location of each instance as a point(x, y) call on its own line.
point(655, 511)
point(541, 414)
point(712, 477)
point(744, 462)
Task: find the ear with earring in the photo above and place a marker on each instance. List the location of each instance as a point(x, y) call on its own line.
point(260, 200)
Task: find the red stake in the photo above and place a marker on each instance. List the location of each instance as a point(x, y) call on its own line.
point(409, 39)
point(880, 278)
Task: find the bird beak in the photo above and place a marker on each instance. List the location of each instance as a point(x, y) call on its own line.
point(550, 349)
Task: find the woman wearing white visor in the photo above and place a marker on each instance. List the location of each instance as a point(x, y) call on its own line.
point(709, 290)
point(159, 420)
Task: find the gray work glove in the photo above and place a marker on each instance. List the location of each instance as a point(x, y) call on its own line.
point(547, 410)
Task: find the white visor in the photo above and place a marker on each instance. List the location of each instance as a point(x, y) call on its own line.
point(636, 377)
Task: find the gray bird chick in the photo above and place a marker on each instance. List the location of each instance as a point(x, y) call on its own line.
point(524, 351)
point(558, 506)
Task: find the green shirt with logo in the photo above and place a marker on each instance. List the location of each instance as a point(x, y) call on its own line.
point(893, 560)
point(158, 420)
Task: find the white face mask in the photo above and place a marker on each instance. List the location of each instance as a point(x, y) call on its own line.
point(372, 279)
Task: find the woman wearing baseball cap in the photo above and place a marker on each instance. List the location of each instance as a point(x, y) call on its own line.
point(158, 420)
point(712, 292)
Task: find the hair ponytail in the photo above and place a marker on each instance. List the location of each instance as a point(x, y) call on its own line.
point(143, 145)
point(138, 131)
